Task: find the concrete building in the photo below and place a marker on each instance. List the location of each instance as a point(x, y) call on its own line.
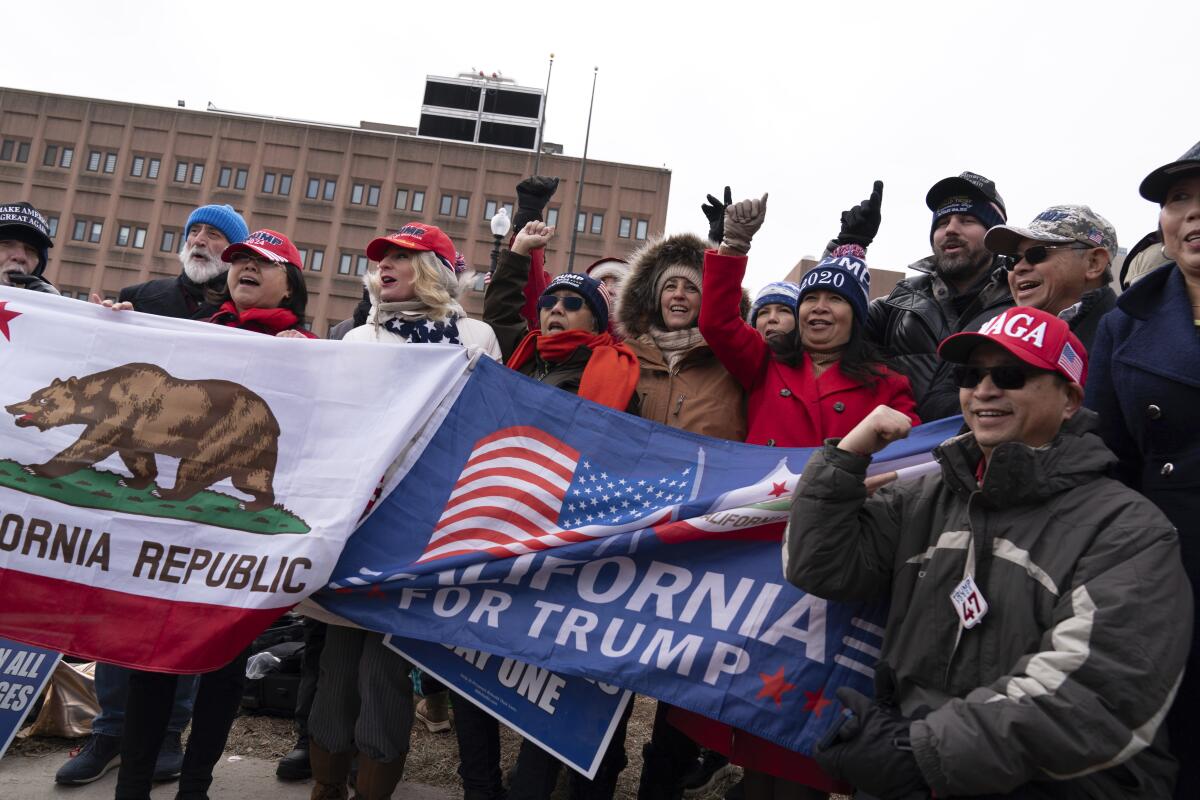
point(118, 180)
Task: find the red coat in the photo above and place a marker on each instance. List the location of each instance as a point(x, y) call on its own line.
point(785, 407)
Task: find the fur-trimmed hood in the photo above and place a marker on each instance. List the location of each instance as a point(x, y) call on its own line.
point(637, 309)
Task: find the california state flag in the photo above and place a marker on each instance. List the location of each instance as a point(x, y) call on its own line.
point(168, 487)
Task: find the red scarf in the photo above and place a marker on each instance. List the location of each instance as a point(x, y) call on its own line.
point(260, 320)
point(612, 370)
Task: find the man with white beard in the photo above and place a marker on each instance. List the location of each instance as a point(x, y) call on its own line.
point(194, 293)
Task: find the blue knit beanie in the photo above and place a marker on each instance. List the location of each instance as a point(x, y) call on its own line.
point(842, 272)
point(223, 218)
point(785, 293)
point(591, 290)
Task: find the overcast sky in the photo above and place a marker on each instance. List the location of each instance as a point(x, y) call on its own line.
point(1058, 102)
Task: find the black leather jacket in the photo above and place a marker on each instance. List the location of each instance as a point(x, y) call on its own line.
point(177, 297)
point(919, 313)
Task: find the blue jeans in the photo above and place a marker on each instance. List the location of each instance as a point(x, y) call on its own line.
point(112, 691)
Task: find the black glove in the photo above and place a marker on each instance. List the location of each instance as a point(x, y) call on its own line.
point(861, 223)
point(714, 211)
point(532, 196)
point(871, 750)
point(32, 282)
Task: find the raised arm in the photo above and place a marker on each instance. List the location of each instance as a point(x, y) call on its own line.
point(505, 295)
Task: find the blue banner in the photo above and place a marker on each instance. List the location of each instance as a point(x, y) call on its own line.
point(531, 700)
point(24, 671)
point(544, 528)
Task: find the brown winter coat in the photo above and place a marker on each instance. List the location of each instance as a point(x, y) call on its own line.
point(699, 395)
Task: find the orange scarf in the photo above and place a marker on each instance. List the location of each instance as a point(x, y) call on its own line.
point(612, 370)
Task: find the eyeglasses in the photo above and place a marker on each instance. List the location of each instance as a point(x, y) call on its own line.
point(570, 302)
point(1008, 376)
point(262, 263)
point(1038, 254)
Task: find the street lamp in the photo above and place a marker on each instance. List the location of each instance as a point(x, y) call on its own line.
point(500, 225)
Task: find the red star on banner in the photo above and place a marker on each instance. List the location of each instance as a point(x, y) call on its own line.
point(379, 594)
point(5, 318)
point(774, 687)
point(780, 489)
point(816, 702)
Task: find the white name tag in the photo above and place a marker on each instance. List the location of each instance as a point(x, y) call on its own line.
point(969, 602)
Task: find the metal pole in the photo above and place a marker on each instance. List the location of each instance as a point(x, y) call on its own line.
point(495, 253)
point(582, 168)
point(537, 159)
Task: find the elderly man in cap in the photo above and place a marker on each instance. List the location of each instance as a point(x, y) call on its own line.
point(24, 242)
point(1039, 612)
point(962, 284)
point(1061, 263)
point(197, 292)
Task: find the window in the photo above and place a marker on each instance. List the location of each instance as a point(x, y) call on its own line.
point(152, 172)
point(14, 150)
point(6, 150)
point(68, 156)
point(168, 241)
point(110, 163)
point(285, 185)
point(330, 189)
point(372, 195)
point(53, 158)
point(97, 232)
point(197, 173)
point(581, 221)
point(181, 168)
point(268, 184)
point(597, 223)
point(401, 199)
point(552, 217)
point(224, 177)
point(625, 227)
point(314, 189)
point(361, 266)
point(139, 238)
point(80, 230)
point(489, 210)
point(137, 167)
point(123, 233)
point(93, 164)
point(509, 208)
point(345, 263)
point(239, 180)
point(52, 223)
point(303, 251)
point(643, 227)
point(22, 152)
point(464, 204)
point(446, 205)
point(418, 202)
point(50, 157)
point(317, 260)
point(356, 193)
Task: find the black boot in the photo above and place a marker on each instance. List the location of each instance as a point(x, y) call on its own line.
point(295, 765)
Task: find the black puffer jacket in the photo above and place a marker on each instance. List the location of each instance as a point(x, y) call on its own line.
point(919, 313)
point(177, 297)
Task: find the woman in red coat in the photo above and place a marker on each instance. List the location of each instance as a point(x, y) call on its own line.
point(805, 383)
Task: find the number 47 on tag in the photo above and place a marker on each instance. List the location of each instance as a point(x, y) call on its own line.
point(969, 602)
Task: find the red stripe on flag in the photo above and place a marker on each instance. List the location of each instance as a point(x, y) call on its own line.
point(517, 474)
point(498, 492)
point(119, 628)
point(530, 433)
point(523, 454)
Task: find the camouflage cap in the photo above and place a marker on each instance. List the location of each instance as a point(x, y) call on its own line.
point(1155, 185)
point(1057, 224)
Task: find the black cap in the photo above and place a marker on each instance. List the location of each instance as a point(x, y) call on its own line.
point(24, 223)
point(1155, 185)
point(968, 183)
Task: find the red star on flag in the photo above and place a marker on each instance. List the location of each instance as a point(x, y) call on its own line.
point(816, 702)
point(779, 490)
point(5, 318)
point(774, 687)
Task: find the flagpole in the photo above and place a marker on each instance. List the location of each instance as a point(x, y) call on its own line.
point(537, 159)
point(582, 168)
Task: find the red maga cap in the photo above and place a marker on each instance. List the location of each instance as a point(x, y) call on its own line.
point(416, 236)
point(1039, 339)
point(268, 244)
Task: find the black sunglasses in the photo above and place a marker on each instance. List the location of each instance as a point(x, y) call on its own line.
point(1008, 376)
point(570, 302)
point(1038, 254)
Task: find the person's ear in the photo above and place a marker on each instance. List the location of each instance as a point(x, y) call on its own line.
point(1098, 260)
point(1074, 399)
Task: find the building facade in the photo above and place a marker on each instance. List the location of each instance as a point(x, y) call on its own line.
point(118, 180)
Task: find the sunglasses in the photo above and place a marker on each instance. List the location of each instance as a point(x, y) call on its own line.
point(1038, 254)
point(570, 302)
point(1008, 376)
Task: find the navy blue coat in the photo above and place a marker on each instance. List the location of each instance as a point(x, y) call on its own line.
point(1144, 381)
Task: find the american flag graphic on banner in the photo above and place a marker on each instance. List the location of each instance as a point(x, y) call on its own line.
point(523, 490)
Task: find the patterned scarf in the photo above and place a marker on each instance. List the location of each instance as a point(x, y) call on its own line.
point(409, 320)
point(674, 345)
